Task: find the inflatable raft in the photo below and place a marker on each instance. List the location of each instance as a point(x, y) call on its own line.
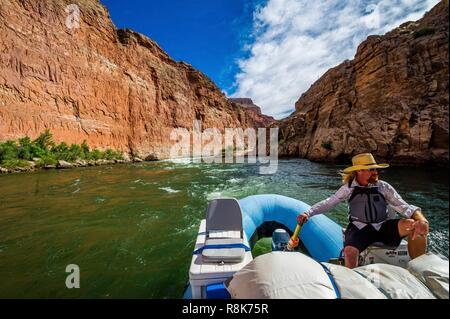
point(223, 249)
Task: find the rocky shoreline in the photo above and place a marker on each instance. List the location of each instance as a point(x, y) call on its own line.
point(34, 165)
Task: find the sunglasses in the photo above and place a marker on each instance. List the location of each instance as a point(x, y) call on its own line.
point(371, 170)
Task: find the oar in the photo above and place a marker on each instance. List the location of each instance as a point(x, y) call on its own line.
point(293, 242)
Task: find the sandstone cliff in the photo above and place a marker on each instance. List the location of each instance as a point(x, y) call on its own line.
point(392, 100)
point(113, 88)
point(254, 111)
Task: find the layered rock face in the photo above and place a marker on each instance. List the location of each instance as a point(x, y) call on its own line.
point(113, 88)
point(254, 111)
point(391, 100)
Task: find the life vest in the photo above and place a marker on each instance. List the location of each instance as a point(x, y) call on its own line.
point(367, 205)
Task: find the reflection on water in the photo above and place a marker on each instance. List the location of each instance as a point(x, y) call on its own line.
point(131, 228)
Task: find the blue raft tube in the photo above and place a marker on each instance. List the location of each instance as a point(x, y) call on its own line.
point(262, 214)
point(321, 236)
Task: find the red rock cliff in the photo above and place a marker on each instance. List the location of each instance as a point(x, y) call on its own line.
point(113, 88)
point(392, 100)
point(254, 111)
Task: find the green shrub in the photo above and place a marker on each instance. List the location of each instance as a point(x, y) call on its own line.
point(48, 159)
point(423, 32)
point(15, 162)
point(8, 151)
point(24, 149)
point(112, 155)
point(95, 155)
point(76, 152)
point(45, 140)
point(119, 155)
point(109, 154)
point(17, 154)
point(85, 149)
point(61, 151)
point(328, 145)
point(66, 153)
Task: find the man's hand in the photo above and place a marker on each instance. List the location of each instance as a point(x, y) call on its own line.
point(302, 218)
point(420, 225)
point(421, 228)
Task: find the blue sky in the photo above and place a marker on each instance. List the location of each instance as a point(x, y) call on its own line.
point(209, 34)
point(269, 50)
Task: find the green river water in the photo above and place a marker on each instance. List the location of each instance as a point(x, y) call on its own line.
point(131, 228)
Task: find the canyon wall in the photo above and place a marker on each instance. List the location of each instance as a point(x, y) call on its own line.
point(112, 87)
point(392, 100)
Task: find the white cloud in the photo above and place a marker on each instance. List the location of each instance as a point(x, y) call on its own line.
point(296, 41)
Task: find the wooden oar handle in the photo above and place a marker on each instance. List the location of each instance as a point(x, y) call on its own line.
point(293, 242)
point(297, 230)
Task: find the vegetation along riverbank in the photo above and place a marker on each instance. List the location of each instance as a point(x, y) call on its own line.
point(24, 155)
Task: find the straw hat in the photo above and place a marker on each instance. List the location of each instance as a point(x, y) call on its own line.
point(363, 161)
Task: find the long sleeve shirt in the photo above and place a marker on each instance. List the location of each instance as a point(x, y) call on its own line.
point(393, 199)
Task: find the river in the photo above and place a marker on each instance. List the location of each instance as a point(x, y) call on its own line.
point(131, 227)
